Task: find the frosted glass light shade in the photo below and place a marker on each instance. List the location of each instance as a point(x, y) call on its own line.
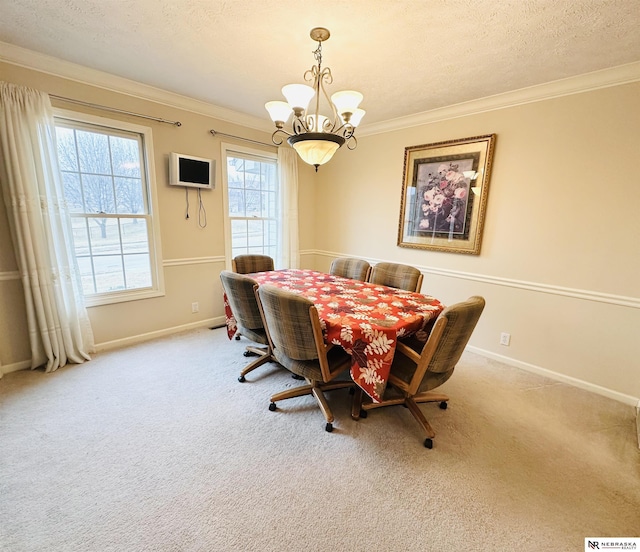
point(346, 101)
point(278, 111)
point(298, 95)
point(356, 117)
point(316, 148)
point(316, 152)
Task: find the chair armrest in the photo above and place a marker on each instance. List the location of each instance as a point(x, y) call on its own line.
point(407, 351)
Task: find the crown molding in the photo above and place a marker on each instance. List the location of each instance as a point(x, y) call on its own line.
point(23, 57)
point(604, 78)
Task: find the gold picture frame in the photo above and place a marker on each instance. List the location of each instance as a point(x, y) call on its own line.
point(445, 186)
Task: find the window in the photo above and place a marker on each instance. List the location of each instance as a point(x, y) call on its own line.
point(107, 185)
point(253, 196)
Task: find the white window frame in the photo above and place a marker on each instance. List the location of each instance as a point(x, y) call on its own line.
point(228, 150)
point(149, 177)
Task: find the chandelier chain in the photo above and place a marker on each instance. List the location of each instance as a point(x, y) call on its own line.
point(317, 53)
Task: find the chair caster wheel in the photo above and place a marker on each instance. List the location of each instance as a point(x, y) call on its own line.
point(297, 377)
point(428, 443)
point(363, 413)
point(246, 354)
point(443, 405)
point(328, 427)
point(241, 379)
point(237, 338)
point(272, 407)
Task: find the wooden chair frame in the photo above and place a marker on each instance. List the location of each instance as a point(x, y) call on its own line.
point(261, 350)
point(409, 395)
point(313, 387)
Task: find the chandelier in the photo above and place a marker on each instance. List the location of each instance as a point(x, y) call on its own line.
point(314, 136)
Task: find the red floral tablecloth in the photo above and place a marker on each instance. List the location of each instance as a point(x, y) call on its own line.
point(364, 319)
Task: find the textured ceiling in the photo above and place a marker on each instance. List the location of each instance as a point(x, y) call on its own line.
point(405, 56)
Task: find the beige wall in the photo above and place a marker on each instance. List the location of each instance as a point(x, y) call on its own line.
point(562, 213)
point(560, 246)
point(193, 256)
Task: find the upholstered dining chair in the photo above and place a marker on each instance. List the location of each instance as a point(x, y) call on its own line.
point(295, 337)
point(246, 264)
point(419, 368)
point(240, 290)
point(396, 275)
point(356, 269)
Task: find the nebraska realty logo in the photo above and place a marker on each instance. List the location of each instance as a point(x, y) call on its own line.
point(611, 543)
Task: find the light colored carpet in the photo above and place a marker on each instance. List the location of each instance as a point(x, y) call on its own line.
point(158, 447)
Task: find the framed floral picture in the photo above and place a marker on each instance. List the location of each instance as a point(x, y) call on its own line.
point(444, 194)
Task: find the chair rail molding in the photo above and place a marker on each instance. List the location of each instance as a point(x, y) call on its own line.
point(584, 294)
point(193, 261)
point(9, 275)
point(15, 275)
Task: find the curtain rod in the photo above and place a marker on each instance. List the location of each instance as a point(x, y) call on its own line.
point(105, 108)
point(216, 133)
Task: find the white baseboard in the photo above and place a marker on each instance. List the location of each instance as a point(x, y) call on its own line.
point(22, 365)
point(599, 390)
point(220, 321)
point(116, 343)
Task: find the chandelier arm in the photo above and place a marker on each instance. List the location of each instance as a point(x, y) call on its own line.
point(315, 75)
point(347, 130)
point(326, 77)
point(299, 126)
point(277, 139)
point(352, 142)
point(316, 86)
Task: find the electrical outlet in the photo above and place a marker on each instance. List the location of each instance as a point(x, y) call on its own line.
point(505, 339)
point(195, 307)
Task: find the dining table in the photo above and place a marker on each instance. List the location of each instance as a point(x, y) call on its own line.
point(363, 318)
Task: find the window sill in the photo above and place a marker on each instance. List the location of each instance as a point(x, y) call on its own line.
point(121, 297)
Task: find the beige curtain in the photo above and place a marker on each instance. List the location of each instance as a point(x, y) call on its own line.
point(288, 166)
point(59, 327)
